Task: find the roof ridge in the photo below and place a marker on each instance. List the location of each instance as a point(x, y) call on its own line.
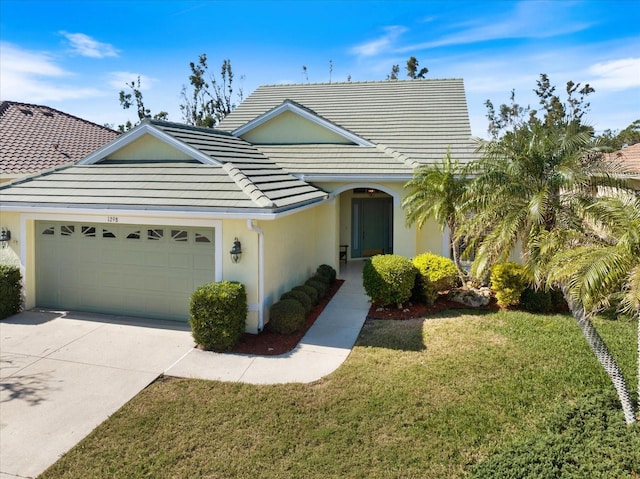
point(184, 126)
point(401, 157)
point(8, 103)
point(362, 82)
point(247, 186)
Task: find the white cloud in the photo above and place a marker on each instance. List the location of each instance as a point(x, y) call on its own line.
point(86, 46)
point(382, 44)
point(619, 74)
point(33, 77)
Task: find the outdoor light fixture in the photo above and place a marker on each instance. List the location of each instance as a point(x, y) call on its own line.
point(236, 251)
point(5, 236)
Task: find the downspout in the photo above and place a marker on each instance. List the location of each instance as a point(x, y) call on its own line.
point(255, 229)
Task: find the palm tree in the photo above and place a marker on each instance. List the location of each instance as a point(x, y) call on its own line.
point(436, 191)
point(533, 184)
point(602, 266)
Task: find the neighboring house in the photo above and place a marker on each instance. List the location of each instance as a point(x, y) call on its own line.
point(36, 138)
point(629, 156)
point(293, 173)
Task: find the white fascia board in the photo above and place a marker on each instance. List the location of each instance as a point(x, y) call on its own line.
point(286, 106)
point(138, 215)
point(319, 178)
point(136, 133)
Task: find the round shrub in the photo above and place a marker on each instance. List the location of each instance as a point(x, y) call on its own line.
point(301, 297)
point(388, 279)
point(309, 291)
point(218, 315)
point(508, 281)
point(10, 290)
point(536, 301)
point(435, 273)
point(319, 286)
point(328, 271)
point(286, 316)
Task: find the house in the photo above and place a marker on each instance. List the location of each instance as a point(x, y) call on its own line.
point(35, 138)
point(629, 157)
point(292, 174)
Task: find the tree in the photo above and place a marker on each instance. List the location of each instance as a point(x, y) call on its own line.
point(629, 136)
point(210, 99)
point(412, 69)
point(535, 179)
point(395, 71)
point(127, 100)
point(435, 191)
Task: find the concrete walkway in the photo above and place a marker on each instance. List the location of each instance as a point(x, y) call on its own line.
point(321, 351)
point(64, 373)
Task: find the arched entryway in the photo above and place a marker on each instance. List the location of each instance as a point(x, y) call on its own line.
point(366, 221)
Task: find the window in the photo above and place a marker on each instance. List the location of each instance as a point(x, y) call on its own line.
point(67, 230)
point(203, 238)
point(179, 235)
point(155, 234)
point(51, 230)
point(134, 235)
point(88, 231)
point(107, 234)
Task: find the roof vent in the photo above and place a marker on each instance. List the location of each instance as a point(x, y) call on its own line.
point(26, 111)
point(47, 113)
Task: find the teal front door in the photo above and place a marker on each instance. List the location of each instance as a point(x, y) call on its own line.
point(371, 226)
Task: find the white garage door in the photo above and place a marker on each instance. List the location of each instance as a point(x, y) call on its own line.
point(135, 270)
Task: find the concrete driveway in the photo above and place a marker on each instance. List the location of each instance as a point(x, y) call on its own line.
point(62, 374)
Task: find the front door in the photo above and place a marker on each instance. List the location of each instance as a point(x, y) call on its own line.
point(372, 226)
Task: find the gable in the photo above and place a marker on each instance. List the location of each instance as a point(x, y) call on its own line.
point(147, 147)
point(289, 128)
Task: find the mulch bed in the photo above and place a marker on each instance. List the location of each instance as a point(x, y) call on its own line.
point(269, 343)
point(419, 310)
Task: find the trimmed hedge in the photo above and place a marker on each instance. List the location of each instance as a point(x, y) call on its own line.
point(10, 290)
point(327, 271)
point(309, 291)
point(301, 297)
point(435, 273)
point(389, 279)
point(286, 316)
point(508, 281)
point(320, 286)
point(588, 439)
point(218, 315)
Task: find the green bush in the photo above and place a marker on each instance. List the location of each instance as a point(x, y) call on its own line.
point(218, 315)
point(388, 279)
point(586, 439)
point(301, 297)
point(286, 316)
point(536, 301)
point(309, 291)
point(327, 271)
point(10, 290)
point(435, 273)
point(320, 286)
point(508, 281)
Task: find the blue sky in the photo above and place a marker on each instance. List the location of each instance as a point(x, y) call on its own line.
point(77, 55)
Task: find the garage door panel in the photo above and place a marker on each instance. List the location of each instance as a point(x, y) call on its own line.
point(122, 269)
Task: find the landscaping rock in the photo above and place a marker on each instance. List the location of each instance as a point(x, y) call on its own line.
point(472, 297)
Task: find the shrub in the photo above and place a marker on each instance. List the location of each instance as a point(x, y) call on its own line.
point(327, 271)
point(301, 297)
point(10, 290)
point(320, 286)
point(435, 273)
point(508, 281)
point(389, 279)
point(218, 315)
point(309, 291)
point(286, 316)
point(587, 439)
point(536, 301)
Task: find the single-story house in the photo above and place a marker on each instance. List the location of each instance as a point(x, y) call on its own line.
point(629, 157)
point(35, 138)
point(296, 175)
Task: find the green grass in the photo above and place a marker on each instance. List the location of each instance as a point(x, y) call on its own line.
point(420, 398)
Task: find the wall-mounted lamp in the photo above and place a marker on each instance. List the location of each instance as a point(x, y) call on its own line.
point(236, 251)
point(5, 236)
point(371, 191)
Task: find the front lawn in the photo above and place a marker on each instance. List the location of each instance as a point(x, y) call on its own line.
point(418, 398)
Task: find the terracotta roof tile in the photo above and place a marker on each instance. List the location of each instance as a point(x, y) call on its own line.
point(630, 157)
point(35, 138)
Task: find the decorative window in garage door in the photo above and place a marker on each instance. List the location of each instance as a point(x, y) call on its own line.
point(204, 237)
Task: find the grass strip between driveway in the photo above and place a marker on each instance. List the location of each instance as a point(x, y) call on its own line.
point(417, 398)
